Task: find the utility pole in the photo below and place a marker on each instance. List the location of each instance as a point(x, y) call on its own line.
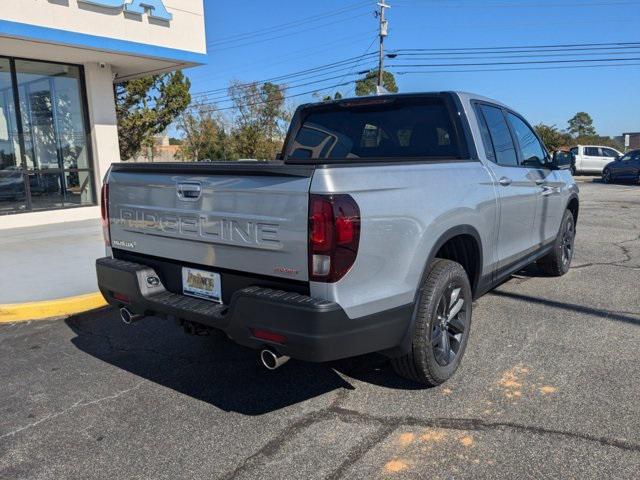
point(384, 31)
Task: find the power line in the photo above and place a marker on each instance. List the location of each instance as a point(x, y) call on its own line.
point(287, 97)
point(557, 67)
point(291, 24)
point(567, 45)
point(366, 52)
point(328, 66)
point(512, 63)
point(529, 55)
point(284, 35)
point(226, 98)
point(517, 4)
point(483, 52)
point(285, 57)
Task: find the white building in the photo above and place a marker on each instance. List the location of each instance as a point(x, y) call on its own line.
point(59, 60)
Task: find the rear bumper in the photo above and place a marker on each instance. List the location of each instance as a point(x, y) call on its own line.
point(315, 330)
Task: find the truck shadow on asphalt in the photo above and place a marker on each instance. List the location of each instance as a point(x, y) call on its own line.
point(215, 370)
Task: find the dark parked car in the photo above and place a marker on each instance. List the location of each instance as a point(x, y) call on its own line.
point(625, 168)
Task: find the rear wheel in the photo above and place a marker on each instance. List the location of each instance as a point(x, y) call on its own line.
point(606, 176)
point(442, 324)
point(558, 262)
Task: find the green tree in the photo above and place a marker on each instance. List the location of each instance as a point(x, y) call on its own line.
point(329, 98)
point(581, 125)
point(368, 84)
point(203, 135)
point(146, 107)
point(260, 119)
point(552, 137)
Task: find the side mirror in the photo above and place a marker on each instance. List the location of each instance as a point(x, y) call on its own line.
point(279, 156)
point(562, 160)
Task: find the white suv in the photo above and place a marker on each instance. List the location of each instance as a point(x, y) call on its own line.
point(593, 158)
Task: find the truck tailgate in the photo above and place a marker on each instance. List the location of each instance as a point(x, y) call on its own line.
point(245, 217)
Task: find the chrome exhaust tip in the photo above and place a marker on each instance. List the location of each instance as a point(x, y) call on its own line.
point(272, 360)
point(128, 317)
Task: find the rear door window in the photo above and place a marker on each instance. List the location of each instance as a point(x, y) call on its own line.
point(504, 151)
point(592, 151)
point(377, 129)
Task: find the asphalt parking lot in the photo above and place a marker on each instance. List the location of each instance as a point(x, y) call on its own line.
point(549, 387)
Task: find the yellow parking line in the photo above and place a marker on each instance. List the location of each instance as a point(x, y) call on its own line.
point(22, 312)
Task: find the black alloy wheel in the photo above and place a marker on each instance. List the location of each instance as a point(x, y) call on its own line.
point(449, 330)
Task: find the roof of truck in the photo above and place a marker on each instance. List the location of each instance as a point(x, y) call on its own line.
point(462, 95)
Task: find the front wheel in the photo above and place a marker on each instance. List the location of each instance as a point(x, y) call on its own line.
point(606, 176)
point(441, 328)
point(558, 262)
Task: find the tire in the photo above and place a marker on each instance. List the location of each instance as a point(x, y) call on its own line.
point(573, 170)
point(558, 262)
point(606, 176)
point(429, 361)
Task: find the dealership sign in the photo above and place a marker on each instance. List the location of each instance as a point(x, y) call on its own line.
point(154, 8)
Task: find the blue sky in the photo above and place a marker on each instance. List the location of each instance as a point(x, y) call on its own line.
point(240, 48)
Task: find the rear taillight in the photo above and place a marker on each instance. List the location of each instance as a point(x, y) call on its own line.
point(334, 235)
point(104, 213)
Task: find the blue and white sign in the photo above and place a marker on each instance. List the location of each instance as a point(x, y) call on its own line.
point(153, 8)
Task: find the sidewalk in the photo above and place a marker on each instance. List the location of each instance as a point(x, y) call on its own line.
point(49, 262)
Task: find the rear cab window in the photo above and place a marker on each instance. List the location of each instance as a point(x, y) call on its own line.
point(377, 128)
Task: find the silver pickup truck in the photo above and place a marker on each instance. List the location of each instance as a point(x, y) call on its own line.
point(382, 222)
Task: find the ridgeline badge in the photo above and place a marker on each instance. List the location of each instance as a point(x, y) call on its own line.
point(154, 8)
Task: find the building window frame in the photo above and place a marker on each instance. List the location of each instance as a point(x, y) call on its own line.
point(62, 171)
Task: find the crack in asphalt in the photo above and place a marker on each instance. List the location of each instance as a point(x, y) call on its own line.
point(479, 424)
point(626, 251)
point(78, 404)
point(605, 264)
point(388, 424)
point(360, 450)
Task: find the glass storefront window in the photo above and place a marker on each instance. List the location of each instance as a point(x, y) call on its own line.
point(45, 161)
point(12, 182)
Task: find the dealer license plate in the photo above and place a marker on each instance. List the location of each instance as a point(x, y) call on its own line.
point(201, 284)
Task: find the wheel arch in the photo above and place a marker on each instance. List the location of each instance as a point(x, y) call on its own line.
point(466, 236)
point(468, 253)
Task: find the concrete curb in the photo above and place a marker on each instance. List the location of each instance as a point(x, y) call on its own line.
point(23, 312)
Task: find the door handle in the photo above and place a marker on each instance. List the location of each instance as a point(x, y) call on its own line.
point(549, 190)
point(541, 181)
point(505, 182)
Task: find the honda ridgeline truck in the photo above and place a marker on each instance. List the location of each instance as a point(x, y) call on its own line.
point(381, 223)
